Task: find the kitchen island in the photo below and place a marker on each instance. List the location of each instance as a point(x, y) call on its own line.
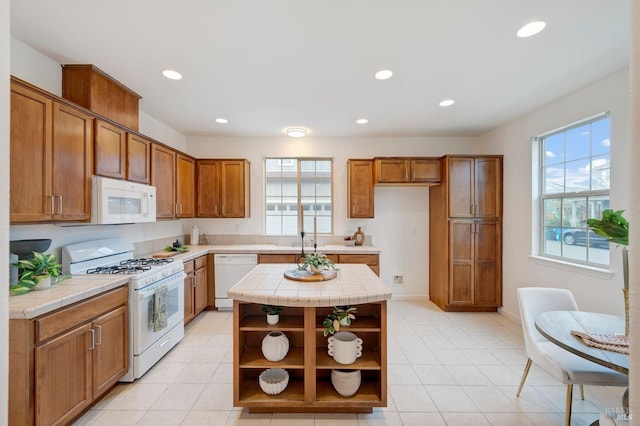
point(305, 306)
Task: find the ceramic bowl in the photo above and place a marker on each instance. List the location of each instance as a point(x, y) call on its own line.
point(273, 380)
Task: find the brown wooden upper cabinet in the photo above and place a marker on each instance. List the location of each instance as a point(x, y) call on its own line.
point(91, 88)
point(475, 186)
point(138, 158)
point(397, 170)
point(185, 185)
point(110, 147)
point(163, 172)
point(51, 156)
point(223, 188)
point(360, 189)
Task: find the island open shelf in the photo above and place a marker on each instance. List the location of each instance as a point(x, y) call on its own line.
point(307, 361)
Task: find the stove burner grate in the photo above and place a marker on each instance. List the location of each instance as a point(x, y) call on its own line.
point(119, 269)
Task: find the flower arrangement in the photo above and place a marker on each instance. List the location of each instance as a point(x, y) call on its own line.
point(615, 228)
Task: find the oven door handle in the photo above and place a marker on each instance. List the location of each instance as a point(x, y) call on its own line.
point(146, 292)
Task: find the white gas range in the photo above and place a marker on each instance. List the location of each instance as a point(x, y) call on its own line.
point(115, 256)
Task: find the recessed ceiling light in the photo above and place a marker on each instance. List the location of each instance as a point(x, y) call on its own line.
point(362, 121)
point(532, 28)
point(447, 102)
point(296, 132)
point(171, 74)
point(383, 74)
point(222, 120)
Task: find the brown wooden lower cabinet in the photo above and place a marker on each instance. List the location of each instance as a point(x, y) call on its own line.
point(61, 362)
point(195, 287)
point(307, 362)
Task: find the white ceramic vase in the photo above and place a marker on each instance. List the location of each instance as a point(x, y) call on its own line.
point(346, 382)
point(316, 269)
point(44, 282)
point(273, 319)
point(344, 347)
point(275, 346)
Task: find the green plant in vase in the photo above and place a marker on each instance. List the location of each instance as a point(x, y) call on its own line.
point(317, 262)
point(36, 272)
point(615, 228)
point(341, 316)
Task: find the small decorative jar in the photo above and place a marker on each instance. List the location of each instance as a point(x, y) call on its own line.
point(275, 346)
point(346, 382)
point(273, 319)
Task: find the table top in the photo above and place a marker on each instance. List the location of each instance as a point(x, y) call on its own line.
point(557, 325)
point(266, 284)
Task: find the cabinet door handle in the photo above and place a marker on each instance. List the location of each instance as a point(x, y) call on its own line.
point(413, 176)
point(223, 209)
point(60, 205)
point(406, 175)
point(194, 282)
point(99, 338)
point(215, 210)
point(51, 205)
point(353, 209)
point(93, 339)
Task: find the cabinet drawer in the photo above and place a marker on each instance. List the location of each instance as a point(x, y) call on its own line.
point(201, 262)
point(277, 258)
point(60, 321)
point(189, 266)
point(369, 259)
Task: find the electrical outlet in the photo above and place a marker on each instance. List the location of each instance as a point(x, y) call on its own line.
point(397, 279)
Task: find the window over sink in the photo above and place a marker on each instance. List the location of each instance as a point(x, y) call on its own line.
point(293, 185)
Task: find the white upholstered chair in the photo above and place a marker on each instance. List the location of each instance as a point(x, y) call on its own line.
point(568, 368)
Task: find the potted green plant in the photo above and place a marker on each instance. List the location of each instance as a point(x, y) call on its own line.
point(38, 273)
point(273, 313)
point(317, 262)
point(341, 316)
point(615, 228)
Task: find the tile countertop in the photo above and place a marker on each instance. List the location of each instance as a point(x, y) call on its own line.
point(80, 287)
point(74, 289)
point(266, 284)
point(199, 250)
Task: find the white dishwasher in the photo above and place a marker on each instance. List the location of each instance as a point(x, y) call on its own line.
point(229, 269)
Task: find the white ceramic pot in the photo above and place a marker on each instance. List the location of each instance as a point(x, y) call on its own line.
point(273, 319)
point(316, 269)
point(273, 380)
point(275, 346)
point(346, 382)
point(344, 322)
point(44, 282)
point(345, 347)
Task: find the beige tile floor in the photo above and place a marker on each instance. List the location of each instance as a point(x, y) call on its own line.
point(444, 369)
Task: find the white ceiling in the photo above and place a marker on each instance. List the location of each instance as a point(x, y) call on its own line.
point(270, 64)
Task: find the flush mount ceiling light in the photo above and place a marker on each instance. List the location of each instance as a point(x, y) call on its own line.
point(447, 102)
point(362, 121)
point(383, 74)
point(296, 132)
point(222, 120)
point(532, 28)
point(171, 74)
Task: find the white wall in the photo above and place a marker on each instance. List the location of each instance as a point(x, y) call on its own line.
point(595, 292)
point(4, 210)
point(634, 256)
point(400, 227)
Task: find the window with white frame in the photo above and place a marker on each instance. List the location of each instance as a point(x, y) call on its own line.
point(297, 191)
point(575, 164)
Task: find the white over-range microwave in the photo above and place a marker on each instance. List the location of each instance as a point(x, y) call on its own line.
point(116, 201)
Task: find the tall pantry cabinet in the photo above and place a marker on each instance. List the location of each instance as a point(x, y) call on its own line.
point(465, 226)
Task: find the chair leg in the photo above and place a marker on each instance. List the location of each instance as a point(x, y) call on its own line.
point(582, 392)
point(524, 375)
point(567, 416)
